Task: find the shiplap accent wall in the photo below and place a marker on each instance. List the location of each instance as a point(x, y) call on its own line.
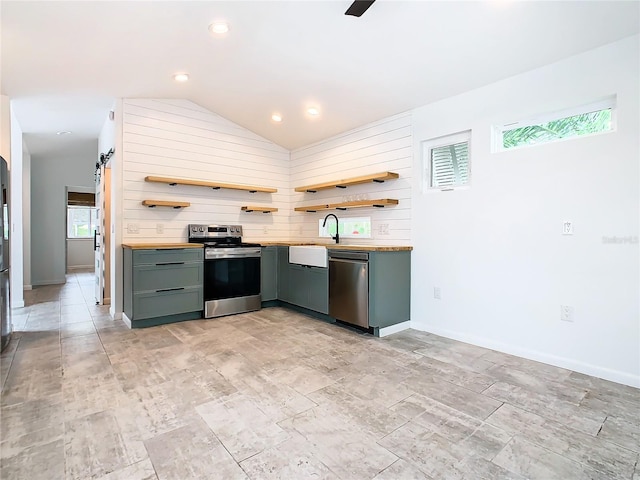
point(177, 138)
point(382, 146)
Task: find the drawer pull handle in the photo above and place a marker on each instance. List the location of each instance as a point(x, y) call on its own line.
point(170, 263)
point(169, 289)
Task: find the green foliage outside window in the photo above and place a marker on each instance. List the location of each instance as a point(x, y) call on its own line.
point(81, 221)
point(583, 124)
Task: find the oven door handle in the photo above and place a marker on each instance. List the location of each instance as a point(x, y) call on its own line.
point(245, 254)
point(169, 289)
point(169, 263)
point(227, 257)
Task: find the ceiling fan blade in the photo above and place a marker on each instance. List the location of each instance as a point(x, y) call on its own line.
point(358, 7)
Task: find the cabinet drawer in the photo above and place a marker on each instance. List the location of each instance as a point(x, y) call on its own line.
point(159, 304)
point(154, 257)
point(155, 277)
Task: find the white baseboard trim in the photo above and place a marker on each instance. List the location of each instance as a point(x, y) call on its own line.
point(390, 330)
point(15, 305)
point(27, 287)
point(79, 267)
point(49, 282)
point(126, 320)
point(562, 362)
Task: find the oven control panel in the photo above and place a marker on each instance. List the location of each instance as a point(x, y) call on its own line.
point(214, 231)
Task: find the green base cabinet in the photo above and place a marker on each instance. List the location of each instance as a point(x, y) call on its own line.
point(283, 274)
point(389, 288)
point(269, 274)
point(309, 287)
point(162, 285)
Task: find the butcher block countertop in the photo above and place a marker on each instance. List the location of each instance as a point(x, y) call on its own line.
point(160, 246)
point(330, 246)
point(372, 248)
point(340, 246)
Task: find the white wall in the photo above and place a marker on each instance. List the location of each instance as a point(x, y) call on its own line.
point(50, 175)
point(26, 217)
point(381, 146)
point(117, 193)
point(79, 253)
point(177, 138)
point(496, 249)
point(5, 128)
point(15, 215)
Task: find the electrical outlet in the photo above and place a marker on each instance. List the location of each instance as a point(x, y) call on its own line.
point(133, 228)
point(567, 227)
point(159, 228)
point(566, 313)
point(383, 229)
point(437, 294)
point(265, 230)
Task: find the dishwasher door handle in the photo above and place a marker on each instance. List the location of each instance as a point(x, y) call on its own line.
point(345, 260)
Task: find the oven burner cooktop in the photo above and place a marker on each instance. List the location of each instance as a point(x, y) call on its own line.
point(218, 236)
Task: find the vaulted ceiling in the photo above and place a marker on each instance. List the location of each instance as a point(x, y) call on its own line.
point(63, 63)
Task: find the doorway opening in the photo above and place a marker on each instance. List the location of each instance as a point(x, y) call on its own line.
point(81, 225)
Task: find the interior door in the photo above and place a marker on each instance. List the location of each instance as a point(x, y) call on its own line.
point(101, 242)
point(97, 239)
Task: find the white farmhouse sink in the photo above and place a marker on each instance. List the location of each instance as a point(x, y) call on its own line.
point(311, 255)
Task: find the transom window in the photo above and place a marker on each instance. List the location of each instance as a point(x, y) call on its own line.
point(584, 120)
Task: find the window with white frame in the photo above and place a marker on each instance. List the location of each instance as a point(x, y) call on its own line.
point(81, 222)
point(447, 161)
point(350, 227)
point(82, 215)
point(587, 119)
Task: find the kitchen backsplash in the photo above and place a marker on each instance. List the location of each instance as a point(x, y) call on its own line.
point(382, 146)
point(176, 138)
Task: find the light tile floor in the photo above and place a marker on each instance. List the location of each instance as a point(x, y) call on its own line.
point(276, 394)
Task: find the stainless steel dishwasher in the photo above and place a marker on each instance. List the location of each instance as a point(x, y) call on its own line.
point(349, 287)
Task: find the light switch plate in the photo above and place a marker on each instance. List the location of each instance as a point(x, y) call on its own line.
point(566, 313)
point(567, 227)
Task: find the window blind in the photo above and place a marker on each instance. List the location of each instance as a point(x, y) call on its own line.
point(450, 165)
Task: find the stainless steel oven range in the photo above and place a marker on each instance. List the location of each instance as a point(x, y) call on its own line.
point(231, 270)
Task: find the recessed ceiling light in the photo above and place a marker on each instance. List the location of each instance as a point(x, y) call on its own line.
point(181, 77)
point(64, 132)
point(276, 117)
point(313, 111)
point(219, 28)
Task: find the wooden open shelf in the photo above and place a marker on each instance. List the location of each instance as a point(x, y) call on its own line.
point(203, 183)
point(380, 203)
point(163, 203)
point(375, 177)
point(250, 209)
